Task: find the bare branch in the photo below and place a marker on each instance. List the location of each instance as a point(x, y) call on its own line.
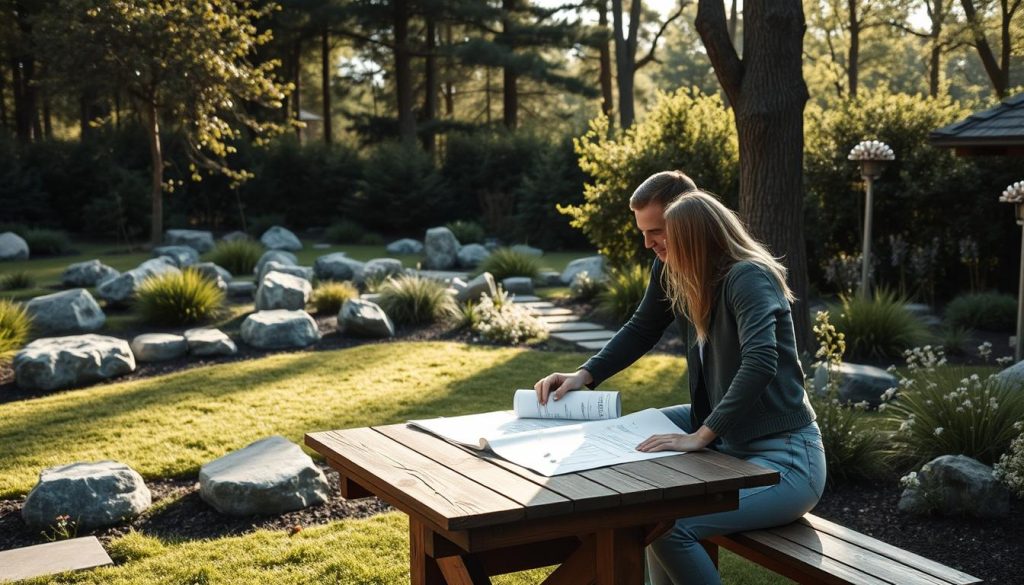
point(654, 43)
point(714, 32)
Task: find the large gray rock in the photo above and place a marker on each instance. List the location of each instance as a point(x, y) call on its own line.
point(13, 247)
point(956, 485)
point(241, 289)
point(280, 329)
point(549, 278)
point(1012, 376)
point(365, 319)
point(858, 383)
point(338, 266)
point(235, 236)
point(213, 271)
point(207, 341)
point(181, 256)
point(481, 285)
point(381, 268)
point(441, 249)
point(270, 476)
point(86, 274)
point(593, 265)
point(471, 255)
point(51, 363)
point(528, 250)
point(199, 240)
point(121, 288)
point(279, 256)
point(158, 347)
point(405, 246)
point(518, 285)
point(279, 238)
point(70, 311)
point(278, 290)
point(303, 272)
point(93, 494)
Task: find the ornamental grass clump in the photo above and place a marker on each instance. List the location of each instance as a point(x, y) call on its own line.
point(329, 296)
point(237, 256)
point(506, 262)
point(939, 410)
point(178, 298)
point(498, 320)
point(623, 292)
point(15, 324)
point(415, 300)
point(852, 448)
point(16, 281)
point(466, 232)
point(990, 311)
point(877, 328)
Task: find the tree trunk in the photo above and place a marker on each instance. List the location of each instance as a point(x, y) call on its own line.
point(853, 58)
point(625, 59)
point(607, 100)
point(988, 60)
point(157, 186)
point(403, 71)
point(449, 87)
point(3, 98)
point(47, 118)
point(487, 95)
point(325, 73)
point(431, 86)
point(297, 81)
point(24, 98)
point(768, 94)
point(510, 93)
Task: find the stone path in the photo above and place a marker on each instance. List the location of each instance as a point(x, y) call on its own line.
point(565, 325)
point(52, 558)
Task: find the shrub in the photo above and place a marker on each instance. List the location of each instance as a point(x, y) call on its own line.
point(21, 279)
point(258, 224)
point(877, 328)
point(401, 189)
point(44, 242)
point(852, 449)
point(329, 296)
point(178, 299)
point(506, 262)
point(684, 128)
point(1010, 469)
point(467, 232)
point(15, 324)
point(344, 231)
point(372, 239)
point(623, 292)
point(943, 410)
point(415, 300)
point(990, 311)
point(237, 256)
point(499, 320)
point(584, 288)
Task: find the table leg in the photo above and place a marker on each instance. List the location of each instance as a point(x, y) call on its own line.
point(463, 570)
point(620, 556)
point(423, 570)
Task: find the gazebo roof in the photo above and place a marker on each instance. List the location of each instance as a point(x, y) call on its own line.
point(996, 131)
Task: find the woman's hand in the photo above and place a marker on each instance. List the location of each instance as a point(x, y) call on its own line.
point(557, 384)
point(678, 441)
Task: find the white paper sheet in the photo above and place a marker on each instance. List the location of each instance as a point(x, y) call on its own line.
point(576, 405)
point(475, 430)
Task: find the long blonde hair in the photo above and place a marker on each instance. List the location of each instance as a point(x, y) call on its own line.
point(704, 239)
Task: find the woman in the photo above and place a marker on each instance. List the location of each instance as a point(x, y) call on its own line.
point(746, 383)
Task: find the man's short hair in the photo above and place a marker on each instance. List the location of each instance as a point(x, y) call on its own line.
point(661, 188)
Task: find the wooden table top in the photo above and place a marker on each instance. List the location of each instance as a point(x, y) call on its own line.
point(458, 489)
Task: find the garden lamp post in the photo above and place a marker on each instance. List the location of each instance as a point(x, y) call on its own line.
point(1015, 194)
point(872, 156)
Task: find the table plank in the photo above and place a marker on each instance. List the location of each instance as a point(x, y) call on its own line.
point(754, 475)
point(584, 493)
point(673, 483)
point(538, 500)
point(632, 489)
point(412, 481)
point(698, 465)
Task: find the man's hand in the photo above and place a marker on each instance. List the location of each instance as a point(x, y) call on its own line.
point(557, 384)
point(678, 441)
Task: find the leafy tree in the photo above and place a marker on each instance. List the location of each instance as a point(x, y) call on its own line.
point(186, 62)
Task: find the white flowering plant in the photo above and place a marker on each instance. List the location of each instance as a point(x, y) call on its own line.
point(871, 150)
point(497, 319)
point(1014, 193)
point(585, 287)
point(1010, 468)
point(941, 410)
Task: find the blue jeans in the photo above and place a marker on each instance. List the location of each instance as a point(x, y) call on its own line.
point(677, 558)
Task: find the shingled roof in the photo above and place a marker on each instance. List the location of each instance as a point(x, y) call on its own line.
point(998, 130)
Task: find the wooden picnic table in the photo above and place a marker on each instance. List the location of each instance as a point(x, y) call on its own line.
point(472, 515)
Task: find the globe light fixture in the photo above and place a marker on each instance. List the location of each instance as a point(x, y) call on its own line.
point(1015, 194)
point(872, 156)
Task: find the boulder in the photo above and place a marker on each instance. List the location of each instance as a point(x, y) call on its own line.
point(70, 311)
point(528, 250)
point(86, 274)
point(483, 284)
point(365, 319)
point(278, 290)
point(13, 247)
point(338, 266)
point(204, 341)
point(241, 289)
point(279, 256)
point(121, 288)
point(158, 347)
point(405, 246)
point(199, 240)
point(956, 485)
point(213, 271)
point(93, 494)
point(280, 329)
point(518, 285)
point(441, 249)
point(52, 363)
point(549, 278)
point(471, 255)
point(857, 383)
point(279, 238)
point(1012, 376)
point(181, 256)
point(381, 268)
point(303, 272)
point(270, 476)
point(593, 265)
point(235, 236)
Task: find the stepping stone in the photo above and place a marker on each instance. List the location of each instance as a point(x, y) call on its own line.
point(551, 312)
point(600, 334)
point(53, 557)
point(573, 326)
point(526, 299)
point(592, 344)
point(535, 304)
point(558, 318)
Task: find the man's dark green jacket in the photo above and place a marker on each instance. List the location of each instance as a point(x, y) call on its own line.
point(750, 383)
